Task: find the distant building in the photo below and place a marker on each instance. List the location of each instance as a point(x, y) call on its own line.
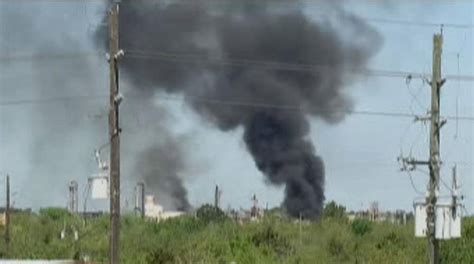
point(155, 211)
point(256, 213)
point(373, 214)
point(241, 216)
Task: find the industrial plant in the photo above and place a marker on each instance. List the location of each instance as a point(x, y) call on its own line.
point(236, 131)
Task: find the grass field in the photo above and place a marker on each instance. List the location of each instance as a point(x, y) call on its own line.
point(213, 238)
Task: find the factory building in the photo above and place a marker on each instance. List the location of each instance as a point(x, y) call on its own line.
point(155, 212)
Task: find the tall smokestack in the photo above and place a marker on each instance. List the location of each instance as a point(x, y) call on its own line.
point(217, 196)
point(260, 56)
point(73, 197)
point(140, 199)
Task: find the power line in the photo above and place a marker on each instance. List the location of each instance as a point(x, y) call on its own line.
point(49, 56)
point(419, 23)
point(413, 184)
point(236, 62)
point(231, 103)
point(281, 107)
point(275, 65)
point(51, 100)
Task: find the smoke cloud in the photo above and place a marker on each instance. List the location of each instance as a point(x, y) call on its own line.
point(47, 142)
point(58, 87)
point(161, 168)
point(241, 64)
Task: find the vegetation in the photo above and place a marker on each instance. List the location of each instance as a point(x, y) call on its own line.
point(361, 227)
point(334, 210)
point(211, 237)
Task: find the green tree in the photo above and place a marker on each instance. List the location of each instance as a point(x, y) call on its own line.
point(54, 213)
point(208, 213)
point(334, 210)
point(361, 227)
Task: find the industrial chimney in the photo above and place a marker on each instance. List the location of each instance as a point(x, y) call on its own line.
point(216, 197)
point(140, 199)
point(73, 197)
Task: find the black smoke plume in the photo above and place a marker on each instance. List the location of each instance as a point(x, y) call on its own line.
point(242, 64)
point(161, 166)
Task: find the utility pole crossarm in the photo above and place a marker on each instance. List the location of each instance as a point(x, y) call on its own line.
point(425, 119)
point(409, 163)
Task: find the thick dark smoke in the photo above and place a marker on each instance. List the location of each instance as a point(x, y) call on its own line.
point(161, 167)
point(211, 52)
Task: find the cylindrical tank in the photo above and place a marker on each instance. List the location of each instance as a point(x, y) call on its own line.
point(140, 199)
point(73, 197)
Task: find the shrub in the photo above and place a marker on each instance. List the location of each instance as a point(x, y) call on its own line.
point(161, 256)
point(54, 213)
point(361, 227)
point(334, 210)
point(460, 250)
point(271, 239)
point(392, 240)
point(208, 213)
point(336, 248)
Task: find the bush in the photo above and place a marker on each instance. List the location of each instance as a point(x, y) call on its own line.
point(336, 248)
point(161, 256)
point(361, 227)
point(208, 213)
point(334, 210)
point(460, 250)
point(391, 241)
point(190, 239)
point(271, 239)
point(54, 213)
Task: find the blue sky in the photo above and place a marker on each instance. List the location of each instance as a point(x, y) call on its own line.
point(360, 152)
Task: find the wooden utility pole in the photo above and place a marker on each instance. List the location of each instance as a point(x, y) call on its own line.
point(7, 218)
point(434, 161)
point(114, 134)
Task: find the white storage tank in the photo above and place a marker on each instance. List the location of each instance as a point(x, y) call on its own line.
point(443, 222)
point(448, 221)
point(420, 220)
point(99, 187)
point(456, 221)
point(152, 209)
